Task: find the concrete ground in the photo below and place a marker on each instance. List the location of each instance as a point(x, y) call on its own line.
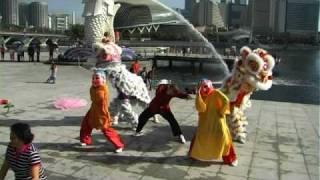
point(283, 139)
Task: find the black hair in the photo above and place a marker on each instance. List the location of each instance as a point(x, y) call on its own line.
point(23, 132)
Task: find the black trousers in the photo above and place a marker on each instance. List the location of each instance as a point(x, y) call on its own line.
point(147, 114)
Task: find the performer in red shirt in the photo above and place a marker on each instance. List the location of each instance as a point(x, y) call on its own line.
point(160, 105)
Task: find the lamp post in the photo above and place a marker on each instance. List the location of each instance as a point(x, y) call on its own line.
point(0, 22)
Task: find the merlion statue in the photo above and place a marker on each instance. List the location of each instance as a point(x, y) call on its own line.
point(99, 17)
point(99, 34)
point(252, 71)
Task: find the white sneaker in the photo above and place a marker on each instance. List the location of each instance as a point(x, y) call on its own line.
point(234, 163)
point(119, 150)
point(182, 139)
point(134, 127)
point(155, 119)
point(115, 120)
point(83, 144)
point(138, 133)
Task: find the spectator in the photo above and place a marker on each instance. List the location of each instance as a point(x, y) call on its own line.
point(22, 156)
point(38, 52)
point(31, 53)
point(20, 53)
point(2, 50)
point(12, 53)
point(149, 77)
point(52, 47)
point(143, 74)
point(135, 67)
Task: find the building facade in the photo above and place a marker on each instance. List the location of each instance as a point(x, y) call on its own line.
point(284, 16)
point(38, 13)
point(24, 14)
point(202, 13)
point(60, 22)
point(9, 12)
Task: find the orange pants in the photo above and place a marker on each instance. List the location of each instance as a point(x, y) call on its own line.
point(110, 134)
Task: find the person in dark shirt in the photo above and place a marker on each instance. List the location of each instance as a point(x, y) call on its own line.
point(160, 105)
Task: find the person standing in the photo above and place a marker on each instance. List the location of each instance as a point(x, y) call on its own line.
point(135, 67)
point(212, 140)
point(149, 77)
point(98, 116)
point(38, 52)
point(22, 157)
point(160, 105)
point(31, 53)
point(143, 74)
point(2, 50)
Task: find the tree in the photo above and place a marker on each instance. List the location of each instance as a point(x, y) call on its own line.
point(76, 32)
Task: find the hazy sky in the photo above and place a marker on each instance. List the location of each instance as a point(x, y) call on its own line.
point(67, 6)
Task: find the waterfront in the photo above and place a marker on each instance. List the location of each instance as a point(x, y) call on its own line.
point(297, 81)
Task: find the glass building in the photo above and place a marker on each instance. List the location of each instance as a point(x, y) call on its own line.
point(9, 12)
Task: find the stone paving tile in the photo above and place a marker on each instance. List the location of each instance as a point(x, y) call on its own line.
point(292, 157)
point(263, 173)
point(313, 170)
point(293, 166)
point(279, 133)
point(312, 159)
point(266, 155)
point(239, 171)
point(93, 172)
point(264, 163)
point(294, 176)
point(221, 176)
point(290, 149)
point(65, 166)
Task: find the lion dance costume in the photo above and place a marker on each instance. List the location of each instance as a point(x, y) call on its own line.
point(252, 71)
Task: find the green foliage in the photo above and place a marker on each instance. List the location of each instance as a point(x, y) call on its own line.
point(76, 32)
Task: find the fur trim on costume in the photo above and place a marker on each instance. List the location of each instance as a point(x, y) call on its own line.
point(270, 62)
point(245, 49)
point(127, 82)
point(254, 63)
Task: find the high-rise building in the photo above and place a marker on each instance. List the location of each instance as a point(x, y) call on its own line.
point(38, 13)
point(73, 18)
point(60, 22)
point(293, 16)
point(188, 9)
point(23, 14)
point(202, 13)
point(302, 17)
point(9, 11)
point(237, 14)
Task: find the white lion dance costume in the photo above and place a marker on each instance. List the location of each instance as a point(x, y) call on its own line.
point(252, 71)
point(99, 16)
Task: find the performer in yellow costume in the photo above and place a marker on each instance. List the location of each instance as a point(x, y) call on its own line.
point(212, 140)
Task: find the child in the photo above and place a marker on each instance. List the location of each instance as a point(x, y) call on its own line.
point(53, 75)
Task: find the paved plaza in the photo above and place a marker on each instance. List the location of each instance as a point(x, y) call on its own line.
point(283, 138)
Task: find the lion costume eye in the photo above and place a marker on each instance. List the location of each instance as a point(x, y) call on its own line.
point(254, 63)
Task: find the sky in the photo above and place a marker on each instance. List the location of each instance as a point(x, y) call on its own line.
point(67, 6)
